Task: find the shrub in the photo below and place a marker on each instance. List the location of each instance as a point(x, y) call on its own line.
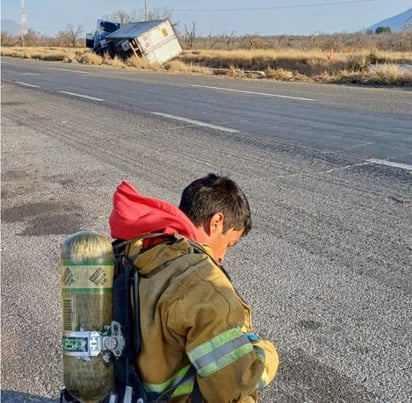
point(90, 58)
point(383, 30)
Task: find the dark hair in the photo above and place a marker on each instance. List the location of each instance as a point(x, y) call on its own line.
point(217, 194)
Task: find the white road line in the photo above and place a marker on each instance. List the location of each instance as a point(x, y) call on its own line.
point(81, 96)
point(69, 70)
point(196, 122)
point(390, 164)
point(27, 84)
point(264, 94)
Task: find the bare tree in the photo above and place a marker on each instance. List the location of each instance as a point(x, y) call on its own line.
point(70, 36)
point(190, 35)
point(251, 41)
point(6, 39)
point(123, 17)
point(229, 40)
point(32, 38)
point(212, 40)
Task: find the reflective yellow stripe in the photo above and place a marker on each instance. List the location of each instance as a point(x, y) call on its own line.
point(185, 389)
point(214, 343)
point(226, 360)
point(170, 383)
point(264, 379)
point(260, 354)
point(220, 351)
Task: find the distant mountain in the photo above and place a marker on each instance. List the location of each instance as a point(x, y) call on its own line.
point(11, 27)
point(398, 23)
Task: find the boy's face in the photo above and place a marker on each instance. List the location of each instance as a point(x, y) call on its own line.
point(219, 242)
point(222, 242)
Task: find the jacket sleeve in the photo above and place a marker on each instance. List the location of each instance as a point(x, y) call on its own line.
point(230, 363)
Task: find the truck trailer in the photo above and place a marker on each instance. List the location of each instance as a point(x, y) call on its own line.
point(154, 40)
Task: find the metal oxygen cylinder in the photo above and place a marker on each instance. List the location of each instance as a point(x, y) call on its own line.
point(90, 337)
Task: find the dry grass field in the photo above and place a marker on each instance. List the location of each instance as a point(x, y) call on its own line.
point(346, 65)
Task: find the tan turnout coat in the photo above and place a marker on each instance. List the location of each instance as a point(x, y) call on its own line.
point(190, 313)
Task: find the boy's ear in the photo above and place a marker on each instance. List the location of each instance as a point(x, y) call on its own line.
point(216, 223)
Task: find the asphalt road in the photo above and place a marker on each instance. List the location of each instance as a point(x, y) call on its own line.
point(352, 123)
point(327, 267)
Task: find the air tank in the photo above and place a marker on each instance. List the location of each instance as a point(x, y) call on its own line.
point(87, 269)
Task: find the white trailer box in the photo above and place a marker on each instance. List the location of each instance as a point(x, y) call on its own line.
point(155, 40)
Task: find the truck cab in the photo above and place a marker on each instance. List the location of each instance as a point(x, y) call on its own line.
point(97, 41)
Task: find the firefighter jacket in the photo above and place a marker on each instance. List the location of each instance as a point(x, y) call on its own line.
point(195, 327)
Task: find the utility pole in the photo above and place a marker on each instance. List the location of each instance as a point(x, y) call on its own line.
point(23, 23)
point(146, 17)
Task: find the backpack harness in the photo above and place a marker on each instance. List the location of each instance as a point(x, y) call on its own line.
point(128, 384)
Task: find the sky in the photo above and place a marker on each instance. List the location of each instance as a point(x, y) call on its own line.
point(213, 17)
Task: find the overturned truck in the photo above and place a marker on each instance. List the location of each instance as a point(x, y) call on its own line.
point(154, 40)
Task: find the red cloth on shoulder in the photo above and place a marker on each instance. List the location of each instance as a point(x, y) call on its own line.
point(134, 214)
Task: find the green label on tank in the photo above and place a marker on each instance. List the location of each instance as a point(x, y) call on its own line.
point(88, 277)
point(75, 344)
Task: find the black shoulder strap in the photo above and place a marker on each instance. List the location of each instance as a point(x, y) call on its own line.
point(123, 290)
